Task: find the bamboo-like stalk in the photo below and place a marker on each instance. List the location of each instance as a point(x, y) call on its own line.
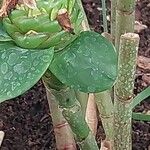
point(113, 19)
point(91, 114)
point(104, 12)
point(124, 91)
point(105, 107)
point(63, 134)
point(125, 19)
point(83, 99)
point(72, 112)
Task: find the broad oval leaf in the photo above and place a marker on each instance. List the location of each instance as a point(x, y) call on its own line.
point(88, 64)
point(21, 68)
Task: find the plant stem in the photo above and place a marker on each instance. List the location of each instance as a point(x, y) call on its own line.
point(125, 19)
point(105, 107)
point(85, 24)
point(104, 10)
point(113, 19)
point(1, 3)
point(83, 99)
point(91, 114)
point(72, 112)
point(63, 134)
point(124, 91)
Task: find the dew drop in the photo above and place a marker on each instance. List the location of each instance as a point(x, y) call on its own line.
point(19, 68)
point(9, 94)
point(8, 76)
point(90, 60)
point(35, 63)
point(91, 89)
point(29, 75)
point(92, 73)
point(4, 68)
point(3, 55)
point(13, 58)
point(32, 68)
point(45, 58)
point(94, 39)
point(79, 50)
point(37, 71)
point(72, 86)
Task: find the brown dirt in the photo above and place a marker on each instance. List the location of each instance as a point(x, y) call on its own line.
point(26, 119)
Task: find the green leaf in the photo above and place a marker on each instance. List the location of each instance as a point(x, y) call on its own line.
point(140, 97)
point(88, 64)
point(140, 116)
point(3, 35)
point(21, 68)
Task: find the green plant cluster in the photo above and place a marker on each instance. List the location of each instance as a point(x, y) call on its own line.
point(39, 28)
point(33, 40)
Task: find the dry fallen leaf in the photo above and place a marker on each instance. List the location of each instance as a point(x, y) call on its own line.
point(143, 62)
point(148, 112)
point(64, 20)
point(106, 145)
point(91, 114)
point(138, 27)
point(29, 3)
point(148, 5)
point(7, 6)
point(1, 137)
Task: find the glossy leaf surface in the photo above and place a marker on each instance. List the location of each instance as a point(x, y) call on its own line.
point(21, 68)
point(88, 64)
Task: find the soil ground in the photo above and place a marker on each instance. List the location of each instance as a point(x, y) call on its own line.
point(26, 119)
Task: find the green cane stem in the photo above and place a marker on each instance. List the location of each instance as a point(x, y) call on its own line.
point(105, 107)
point(83, 99)
point(113, 19)
point(72, 112)
point(91, 114)
point(104, 10)
point(124, 91)
point(63, 134)
point(125, 18)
